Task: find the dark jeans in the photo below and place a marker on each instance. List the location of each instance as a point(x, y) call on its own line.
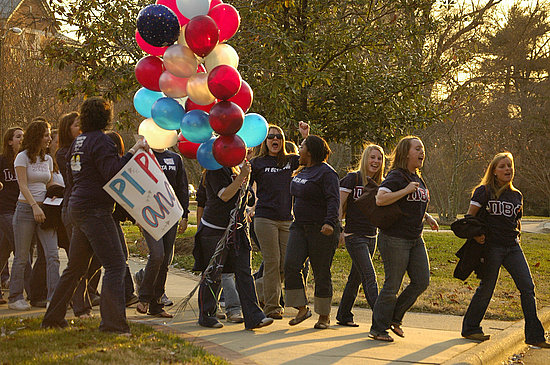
point(360, 249)
point(38, 284)
point(161, 252)
point(399, 255)
point(94, 231)
point(306, 240)
point(513, 260)
point(239, 258)
point(128, 282)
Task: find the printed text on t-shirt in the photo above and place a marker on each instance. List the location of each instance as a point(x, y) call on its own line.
point(419, 195)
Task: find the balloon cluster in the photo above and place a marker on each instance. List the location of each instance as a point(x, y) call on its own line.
point(195, 87)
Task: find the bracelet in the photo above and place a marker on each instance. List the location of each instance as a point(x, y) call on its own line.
point(35, 203)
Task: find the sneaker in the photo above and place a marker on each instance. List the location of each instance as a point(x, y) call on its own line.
point(235, 318)
point(264, 322)
point(220, 314)
point(132, 300)
point(165, 300)
point(19, 305)
point(39, 303)
point(210, 322)
point(477, 337)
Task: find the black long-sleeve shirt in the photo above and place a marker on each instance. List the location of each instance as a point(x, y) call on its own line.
point(316, 195)
point(172, 165)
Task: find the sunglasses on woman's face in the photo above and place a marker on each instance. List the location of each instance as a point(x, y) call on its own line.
point(273, 135)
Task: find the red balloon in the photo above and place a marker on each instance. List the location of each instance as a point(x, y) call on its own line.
point(202, 35)
point(191, 105)
point(214, 3)
point(171, 4)
point(229, 150)
point(224, 81)
point(148, 71)
point(244, 97)
point(227, 19)
point(147, 48)
point(226, 118)
point(188, 149)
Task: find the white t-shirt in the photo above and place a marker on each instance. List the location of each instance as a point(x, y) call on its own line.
point(38, 174)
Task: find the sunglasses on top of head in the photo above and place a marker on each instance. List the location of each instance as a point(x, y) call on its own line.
point(273, 135)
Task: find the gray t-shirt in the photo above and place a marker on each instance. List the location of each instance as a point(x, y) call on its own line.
point(39, 174)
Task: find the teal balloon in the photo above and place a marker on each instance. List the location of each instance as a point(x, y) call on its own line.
point(144, 100)
point(205, 157)
point(254, 130)
point(195, 126)
point(167, 113)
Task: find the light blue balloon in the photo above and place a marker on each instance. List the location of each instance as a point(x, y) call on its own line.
point(144, 100)
point(205, 157)
point(167, 113)
point(195, 126)
point(254, 130)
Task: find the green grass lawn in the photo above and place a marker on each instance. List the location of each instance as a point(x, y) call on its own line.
point(445, 293)
point(23, 342)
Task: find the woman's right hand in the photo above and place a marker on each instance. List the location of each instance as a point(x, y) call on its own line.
point(411, 188)
point(245, 170)
point(38, 213)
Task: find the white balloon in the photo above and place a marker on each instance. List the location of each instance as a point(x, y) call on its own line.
point(192, 8)
point(156, 136)
point(222, 54)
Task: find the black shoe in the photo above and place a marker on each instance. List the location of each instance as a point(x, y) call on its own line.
point(61, 324)
point(210, 322)
point(40, 303)
point(478, 337)
point(132, 300)
point(542, 345)
point(95, 299)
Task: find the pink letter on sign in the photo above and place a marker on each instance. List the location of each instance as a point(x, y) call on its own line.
point(143, 162)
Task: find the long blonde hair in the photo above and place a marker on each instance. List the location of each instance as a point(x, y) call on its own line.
point(399, 155)
point(489, 179)
point(364, 162)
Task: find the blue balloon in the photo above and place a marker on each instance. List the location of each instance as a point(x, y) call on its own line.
point(195, 126)
point(254, 130)
point(158, 25)
point(167, 113)
point(205, 157)
point(144, 100)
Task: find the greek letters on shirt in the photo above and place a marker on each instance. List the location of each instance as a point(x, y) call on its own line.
point(298, 180)
point(276, 169)
point(168, 165)
point(9, 176)
point(419, 195)
point(357, 192)
point(507, 209)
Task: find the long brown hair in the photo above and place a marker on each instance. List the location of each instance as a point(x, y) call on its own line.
point(32, 142)
point(489, 179)
point(65, 123)
point(400, 153)
point(363, 163)
point(282, 156)
point(7, 150)
point(49, 151)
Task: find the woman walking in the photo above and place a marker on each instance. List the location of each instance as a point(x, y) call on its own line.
point(34, 169)
point(314, 232)
point(500, 204)
point(359, 233)
point(272, 172)
point(401, 246)
point(93, 162)
point(8, 196)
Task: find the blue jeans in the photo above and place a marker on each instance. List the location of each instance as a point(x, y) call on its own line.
point(94, 232)
point(156, 270)
point(399, 256)
point(239, 258)
point(513, 260)
point(230, 294)
point(360, 249)
point(24, 228)
point(306, 240)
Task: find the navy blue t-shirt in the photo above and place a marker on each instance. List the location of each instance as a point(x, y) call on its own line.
point(200, 196)
point(93, 162)
point(172, 165)
point(273, 187)
point(414, 205)
point(316, 195)
point(216, 211)
point(10, 193)
point(356, 221)
point(503, 214)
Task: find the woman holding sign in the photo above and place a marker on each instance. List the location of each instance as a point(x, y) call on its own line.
point(93, 162)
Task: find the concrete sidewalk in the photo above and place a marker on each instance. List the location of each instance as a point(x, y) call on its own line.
point(430, 338)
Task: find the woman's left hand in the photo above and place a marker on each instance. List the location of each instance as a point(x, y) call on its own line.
point(432, 222)
point(327, 229)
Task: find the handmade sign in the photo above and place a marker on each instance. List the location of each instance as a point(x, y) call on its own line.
point(143, 190)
